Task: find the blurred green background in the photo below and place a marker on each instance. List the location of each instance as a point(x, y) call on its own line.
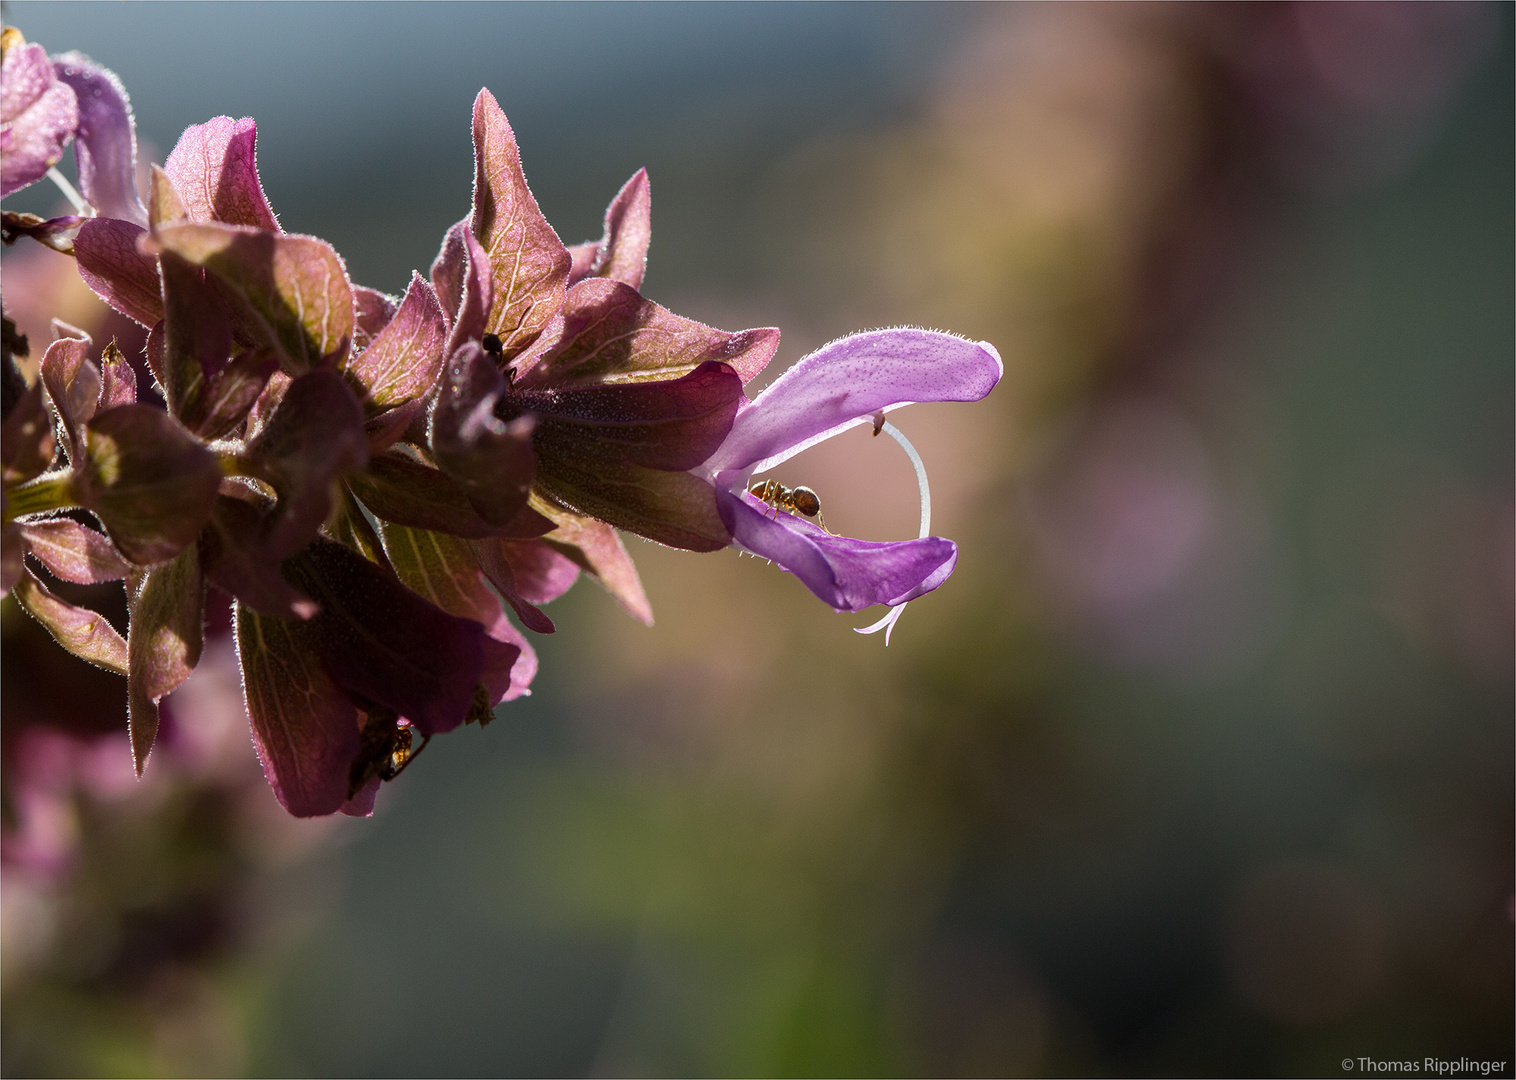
point(1202, 761)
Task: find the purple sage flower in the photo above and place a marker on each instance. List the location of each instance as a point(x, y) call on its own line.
point(46, 102)
point(851, 381)
point(38, 114)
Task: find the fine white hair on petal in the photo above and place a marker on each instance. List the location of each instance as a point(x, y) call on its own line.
point(778, 459)
point(887, 624)
point(845, 383)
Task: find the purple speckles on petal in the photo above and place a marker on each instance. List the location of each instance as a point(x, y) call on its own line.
point(845, 382)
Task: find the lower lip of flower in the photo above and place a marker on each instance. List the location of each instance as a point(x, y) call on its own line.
point(772, 507)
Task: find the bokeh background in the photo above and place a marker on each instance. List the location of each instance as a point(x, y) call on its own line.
point(1200, 764)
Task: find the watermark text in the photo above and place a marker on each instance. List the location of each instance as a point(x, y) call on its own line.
point(1426, 1066)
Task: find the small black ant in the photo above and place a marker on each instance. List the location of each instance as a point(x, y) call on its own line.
point(796, 500)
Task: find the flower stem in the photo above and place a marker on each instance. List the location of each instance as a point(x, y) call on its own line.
point(233, 465)
point(50, 491)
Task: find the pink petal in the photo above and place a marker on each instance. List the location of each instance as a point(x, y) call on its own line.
point(848, 574)
point(844, 383)
point(38, 117)
point(107, 147)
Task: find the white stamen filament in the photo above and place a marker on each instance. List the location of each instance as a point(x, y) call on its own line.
point(69, 192)
point(887, 624)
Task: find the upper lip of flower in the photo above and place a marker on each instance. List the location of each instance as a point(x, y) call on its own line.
point(844, 383)
point(838, 386)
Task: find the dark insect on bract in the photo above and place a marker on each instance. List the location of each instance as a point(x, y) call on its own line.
point(385, 750)
point(494, 348)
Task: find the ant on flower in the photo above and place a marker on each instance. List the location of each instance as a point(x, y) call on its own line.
point(796, 500)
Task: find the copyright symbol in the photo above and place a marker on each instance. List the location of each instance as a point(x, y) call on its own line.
point(1347, 1064)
